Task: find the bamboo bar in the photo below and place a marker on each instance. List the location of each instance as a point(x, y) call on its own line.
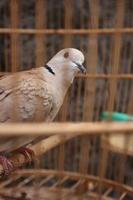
point(67, 31)
point(40, 46)
point(14, 36)
point(39, 149)
point(67, 128)
point(90, 86)
point(107, 76)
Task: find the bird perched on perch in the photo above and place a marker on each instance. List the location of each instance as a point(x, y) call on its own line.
point(36, 95)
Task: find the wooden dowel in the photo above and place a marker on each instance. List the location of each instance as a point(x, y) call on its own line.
point(66, 31)
point(39, 148)
point(67, 128)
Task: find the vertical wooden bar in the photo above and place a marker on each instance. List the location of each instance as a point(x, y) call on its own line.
point(104, 69)
point(129, 109)
point(79, 83)
point(6, 60)
point(40, 39)
point(115, 66)
point(50, 5)
point(84, 141)
point(89, 85)
point(115, 56)
point(40, 23)
point(14, 13)
point(91, 62)
point(6, 54)
point(68, 7)
point(116, 50)
point(116, 53)
point(125, 106)
point(130, 103)
point(14, 36)
point(104, 153)
point(61, 149)
point(68, 21)
point(102, 168)
point(67, 43)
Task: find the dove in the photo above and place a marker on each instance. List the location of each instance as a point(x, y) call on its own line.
point(36, 95)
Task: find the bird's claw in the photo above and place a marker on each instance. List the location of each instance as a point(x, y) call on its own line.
point(7, 165)
point(27, 152)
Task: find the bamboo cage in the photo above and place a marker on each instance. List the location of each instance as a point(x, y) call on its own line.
point(75, 156)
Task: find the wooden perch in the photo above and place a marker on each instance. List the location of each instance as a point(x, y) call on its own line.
point(39, 148)
point(69, 128)
point(62, 132)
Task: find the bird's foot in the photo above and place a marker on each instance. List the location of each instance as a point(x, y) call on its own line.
point(7, 165)
point(27, 152)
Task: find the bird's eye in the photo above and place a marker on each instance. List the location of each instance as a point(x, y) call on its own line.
point(66, 55)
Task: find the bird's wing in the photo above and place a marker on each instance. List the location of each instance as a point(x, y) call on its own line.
point(27, 94)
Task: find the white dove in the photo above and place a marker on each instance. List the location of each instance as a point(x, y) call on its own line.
point(36, 95)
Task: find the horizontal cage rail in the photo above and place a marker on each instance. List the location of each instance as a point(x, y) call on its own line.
point(65, 128)
point(66, 31)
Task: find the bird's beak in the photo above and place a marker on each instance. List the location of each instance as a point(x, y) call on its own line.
point(81, 68)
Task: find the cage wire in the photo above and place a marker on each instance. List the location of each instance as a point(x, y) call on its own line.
point(83, 166)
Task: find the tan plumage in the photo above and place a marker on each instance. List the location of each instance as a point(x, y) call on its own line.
point(37, 94)
point(21, 93)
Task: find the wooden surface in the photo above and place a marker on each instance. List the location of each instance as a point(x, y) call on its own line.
point(68, 31)
point(68, 128)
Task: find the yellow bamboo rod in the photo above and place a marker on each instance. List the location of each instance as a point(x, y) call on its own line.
point(14, 36)
point(67, 128)
point(40, 24)
point(66, 31)
point(39, 149)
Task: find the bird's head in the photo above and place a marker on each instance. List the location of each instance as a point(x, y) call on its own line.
point(69, 61)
